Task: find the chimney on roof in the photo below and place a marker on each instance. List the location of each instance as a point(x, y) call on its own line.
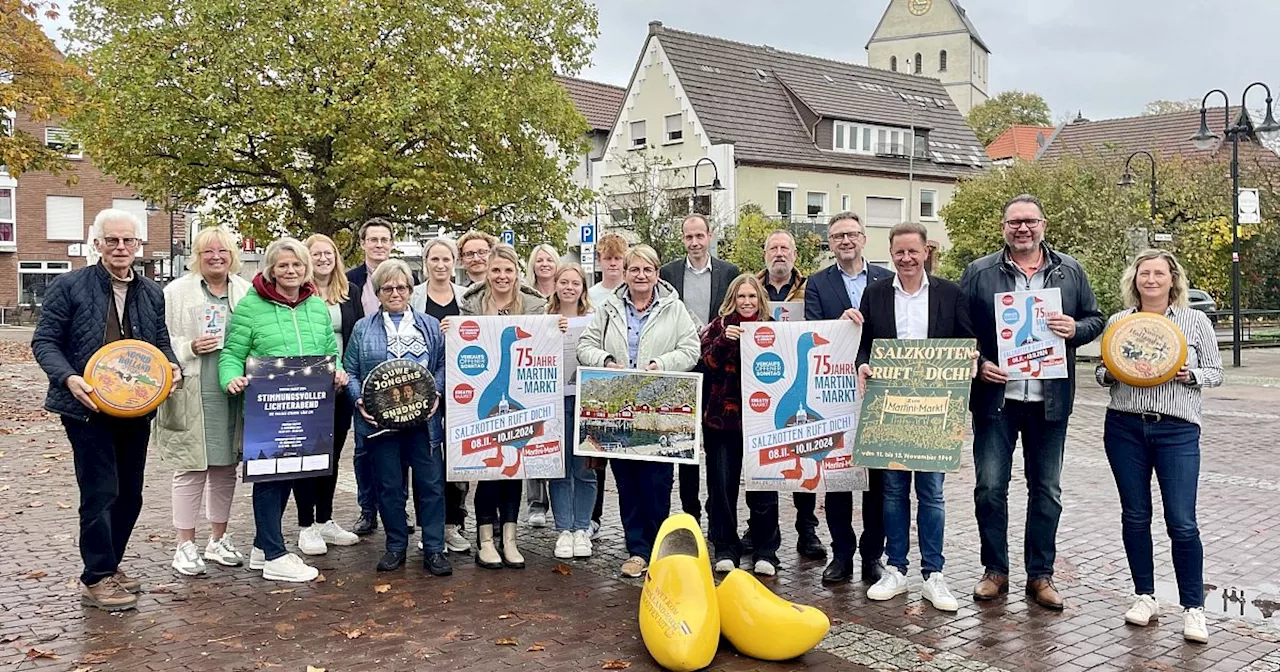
point(769, 48)
point(655, 27)
point(1080, 118)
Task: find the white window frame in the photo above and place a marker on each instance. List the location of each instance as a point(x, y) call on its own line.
point(60, 139)
point(673, 137)
point(845, 202)
point(46, 268)
point(934, 217)
point(638, 142)
point(49, 234)
point(823, 211)
point(866, 209)
point(10, 185)
point(791, 190)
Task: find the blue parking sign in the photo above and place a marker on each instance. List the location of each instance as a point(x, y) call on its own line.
point(588, 233)
point(509, 237)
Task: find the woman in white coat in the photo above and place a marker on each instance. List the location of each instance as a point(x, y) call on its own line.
point(642, 325)
point(195, 428)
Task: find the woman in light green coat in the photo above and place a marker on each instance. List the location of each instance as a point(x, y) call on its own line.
point(194, 430)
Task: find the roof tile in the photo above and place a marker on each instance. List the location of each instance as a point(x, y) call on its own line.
point(599, 103)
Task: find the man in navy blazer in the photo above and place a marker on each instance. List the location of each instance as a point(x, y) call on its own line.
point(834, 293)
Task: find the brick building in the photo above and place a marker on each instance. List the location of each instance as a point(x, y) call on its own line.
point(44, 222)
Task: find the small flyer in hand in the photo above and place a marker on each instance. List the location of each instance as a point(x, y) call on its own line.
point(1028, 349)
point(213, 321)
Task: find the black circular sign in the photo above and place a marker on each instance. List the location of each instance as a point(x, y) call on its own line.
point(399, 393)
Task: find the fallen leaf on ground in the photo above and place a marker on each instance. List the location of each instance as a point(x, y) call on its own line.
point(924, 656)
point(32, 654)
point(50, 455)
point(615, 665)
point(382, 588)
point(83, 669)
point(319, 579)
point(352, 633)
point(409, 603)
point(506, 616)
point(312, 668)
point(33, 492)
point(63, 505)
point(285, 627)
point(507, 641)
point(42, 471)
point(340, 583)
point(154, 537)
point(281, 591)
point(563, 569)
point(3, 488)
point(536, 647)
point(35, 505)
point(36, 574)
point(446, 600)
point(914, 610)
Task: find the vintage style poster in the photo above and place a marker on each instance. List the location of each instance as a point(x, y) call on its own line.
point(288, 417)
point(799, 406)
point(916, 408)
point(1028, 350)
point(505, 396)
point(639, 415)
point(787, 311)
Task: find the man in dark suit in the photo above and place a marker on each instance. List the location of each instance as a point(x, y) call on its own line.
point(834, 293)
point(701, 280)
point(912, 304)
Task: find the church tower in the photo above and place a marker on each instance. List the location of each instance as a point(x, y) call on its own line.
point(933, 38)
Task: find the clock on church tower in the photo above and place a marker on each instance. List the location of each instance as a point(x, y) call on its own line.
point(919, 7)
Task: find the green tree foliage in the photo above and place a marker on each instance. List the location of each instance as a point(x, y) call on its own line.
point(300, 116)
point(1100, 223)
point(651, 198)
point(1009, 108)
point(36, 81)
point(745, 247)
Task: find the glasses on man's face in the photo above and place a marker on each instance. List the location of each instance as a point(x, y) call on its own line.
point(112, 242)
point(476, 254)
point(378, 241)
point(1015, 224)
point(395, 289)
point(845, 235)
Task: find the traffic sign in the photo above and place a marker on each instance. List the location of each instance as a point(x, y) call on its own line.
point(587, 233)
point(509, 237)
point(588, 257)
point(1164, 237)
point(1249, 213)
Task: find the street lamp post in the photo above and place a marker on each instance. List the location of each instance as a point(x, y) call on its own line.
point(715, 180)
point(1205, 140)
point(1126, 180)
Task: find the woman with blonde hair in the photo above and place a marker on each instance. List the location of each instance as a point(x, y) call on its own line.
point(195, 427)
point(573, 497)
point(314, 496)
point(1157, 429)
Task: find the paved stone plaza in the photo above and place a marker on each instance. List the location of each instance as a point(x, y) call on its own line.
point(581, 616)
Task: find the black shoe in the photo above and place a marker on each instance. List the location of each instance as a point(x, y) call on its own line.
point(437, 564)
point(871, 572)
point(365, 525)
point(839, 570)
point(809, 546)
point(391, 561)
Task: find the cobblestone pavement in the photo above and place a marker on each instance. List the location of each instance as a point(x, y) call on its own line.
point(233, 620)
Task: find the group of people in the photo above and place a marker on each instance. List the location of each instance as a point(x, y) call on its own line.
point(686, 315)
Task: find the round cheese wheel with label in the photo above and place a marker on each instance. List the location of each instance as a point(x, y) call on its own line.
point(130, 378)
point(1144, 349)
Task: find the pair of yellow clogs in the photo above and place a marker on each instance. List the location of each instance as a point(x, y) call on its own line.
point(683, 613)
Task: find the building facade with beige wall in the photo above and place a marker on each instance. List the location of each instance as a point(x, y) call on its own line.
point(933, 38)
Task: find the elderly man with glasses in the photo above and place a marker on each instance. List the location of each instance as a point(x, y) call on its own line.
point(82, 311)
point(1035, 410)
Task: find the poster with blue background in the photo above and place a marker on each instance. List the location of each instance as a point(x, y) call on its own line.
point(288, 417)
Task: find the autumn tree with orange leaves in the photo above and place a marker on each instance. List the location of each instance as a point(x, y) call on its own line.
point(35, 81)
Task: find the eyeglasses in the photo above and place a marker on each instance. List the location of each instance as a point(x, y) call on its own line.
point(845, 235)
point(1016, 224)
point(378, 241)
point(394, 289)
point(324, 254)
point(214, 253)
point(113, 242)
point(642, 270)
point(476, 254)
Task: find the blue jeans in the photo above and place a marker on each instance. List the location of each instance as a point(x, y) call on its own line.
point(366, 482)
point(994, 437)
point(392, 453)
point(269, 500)
point(1171, 448)
point(573, 497)
point(931, 515)
point(644, 501)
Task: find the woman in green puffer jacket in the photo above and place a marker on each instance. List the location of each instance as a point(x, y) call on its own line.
point(281, 318)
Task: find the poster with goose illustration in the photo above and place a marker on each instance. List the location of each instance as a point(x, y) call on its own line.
point(1028, 349)
point(504, 398)
point(799, 406)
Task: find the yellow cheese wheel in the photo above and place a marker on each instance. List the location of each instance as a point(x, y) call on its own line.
point(1144, 349)
point(130, 378)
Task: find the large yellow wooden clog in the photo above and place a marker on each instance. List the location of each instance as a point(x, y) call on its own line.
point(762, 625)
point(679, 615)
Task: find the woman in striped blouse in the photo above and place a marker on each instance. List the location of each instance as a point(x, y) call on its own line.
point(1158, 429)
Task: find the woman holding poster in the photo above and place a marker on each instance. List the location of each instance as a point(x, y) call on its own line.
point(281, 317)
point(399, 332)
point(573, 497)
point(1157, 429)
point(498, 502)
point(746, 301)
point(195, 427)
point(643, 326)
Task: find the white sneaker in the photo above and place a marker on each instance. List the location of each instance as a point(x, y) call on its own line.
point(725, 566)
point(186, 560)
point(454, 541)
point(332, 533)
point(223, 552)
point(289, 567)
point(310, 541)
point(595, 530)
point(257, 559)
point(564, 545)
point(764, 568)
point(936, 592)
point(581, 544)
point(891, 584)
point(1193, 626)
point(1144, 610)
point(538, 519)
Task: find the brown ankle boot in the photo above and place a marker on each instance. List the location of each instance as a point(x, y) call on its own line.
point(991, 586)
point(107, 595)
point(127, 582)
point(1044, 593)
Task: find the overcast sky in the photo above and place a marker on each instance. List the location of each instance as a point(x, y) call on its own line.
point(1107, 58)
